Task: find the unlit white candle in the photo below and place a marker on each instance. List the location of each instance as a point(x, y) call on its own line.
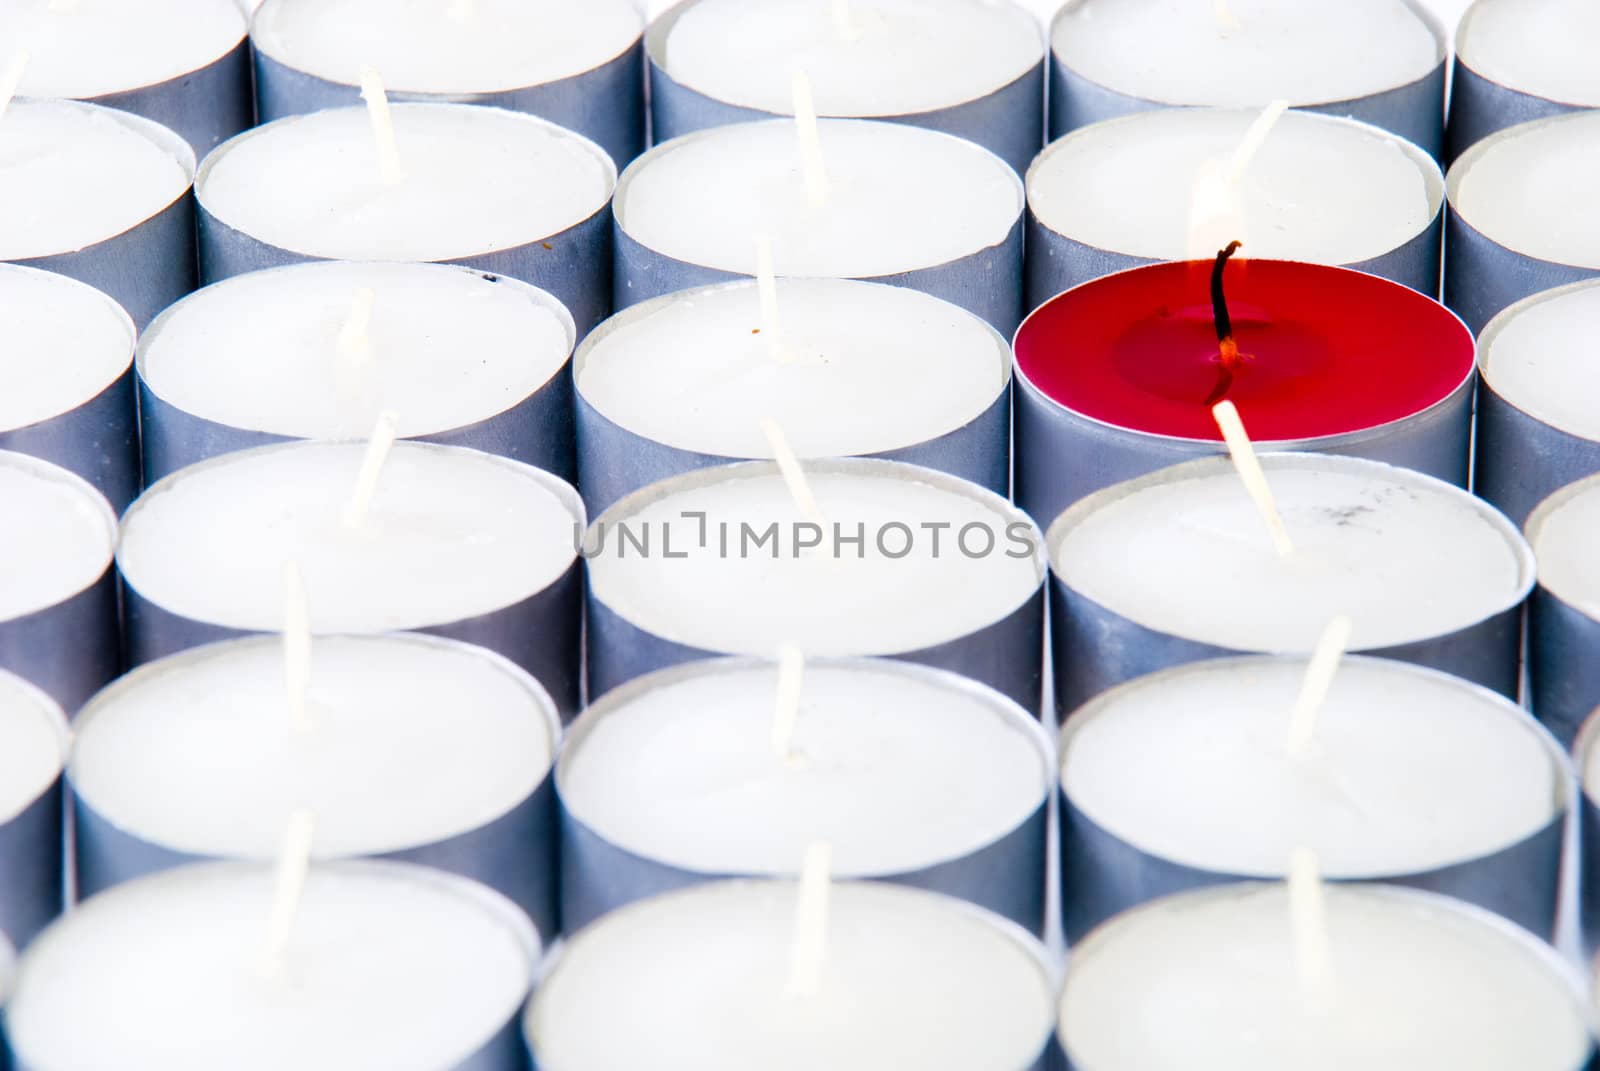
point(1539, 356)
point(63, 344)
point(58, 538)
point(1542, 47)
point(1563, 542)
point(33, 741)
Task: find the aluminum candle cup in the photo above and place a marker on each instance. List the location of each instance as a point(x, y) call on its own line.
point(1153, 186)
point(1116, 378)
point(573, 62)
point(1521, 215)
point(385, 965)
point(1564, 613)
point(1516, 62)
point(906, 562)
point(1184, 778)
point(108, 197)
point(681, 382)
point(67, 362)
point(33, 748)
point(417, 749)
point(965, 67)
point(463, 358)
point(58, 597)
point(914, 776)
point(455, 543)
point(1412, 979)
point(1177, 566)
point(1587, 755)
point(495, 190)
point(903, 205)
point(1380, 61)
point(906, 978)
point(1536, 433)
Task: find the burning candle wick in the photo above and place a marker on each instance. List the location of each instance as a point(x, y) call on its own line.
point(1230, 359)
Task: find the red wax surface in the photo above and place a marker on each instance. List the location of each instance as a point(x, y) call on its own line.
point(1329, 350)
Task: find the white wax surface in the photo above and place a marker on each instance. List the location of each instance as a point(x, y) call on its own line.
point(1413, 983)
point(1302, 51)
point(477, 180)
point(447, 348)
point(32, 749)
point(1543, 47)
point(433, 47)
point(897, 770)
point(386, 966)
point(56, 537)
point(692, 372)
point(1405, 556)
point(754, 598)
point(85, 173)
point(93, 47)
point(908, 56)
point(1564, 543)
point(1409, 770)
point(900, 198)
point(1532, 189)
point(61, 343)
point(415, 740)
point(451, 534)
point(1320, 189)
point(909, 980)
point(1541, 357)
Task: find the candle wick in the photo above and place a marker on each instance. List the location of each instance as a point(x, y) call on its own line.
point(794, 473)
point(767, 290)
point(382, 120)
point(1309, 921)
point(13, 78)
point(844, 23)
point(786, 716)
point(378, 446)
point(1251, 474)
point(294, 862)
point(1318, 680)
point(296, 646)
point(1230, 359)
point(809, 942)
point(805, 119)
point(1256, 136)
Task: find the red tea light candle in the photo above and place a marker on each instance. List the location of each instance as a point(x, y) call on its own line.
point(1117, 377)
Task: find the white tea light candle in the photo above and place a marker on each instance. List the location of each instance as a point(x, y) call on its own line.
point(1521, 61)
point(33, 743)
point(1564, 613)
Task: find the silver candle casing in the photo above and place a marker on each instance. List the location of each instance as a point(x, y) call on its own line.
point(515, 854)
point(1003, 654)
point(1094, 648)
point(31, 864)
point(1102, 874)
point(204, 107)
point(1008, 121)
point(614, 462)
point(1480, 106)
point(1563, 640)
point(1005, 876)
point(1587, 812)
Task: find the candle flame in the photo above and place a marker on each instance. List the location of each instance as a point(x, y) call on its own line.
point(1216, 204)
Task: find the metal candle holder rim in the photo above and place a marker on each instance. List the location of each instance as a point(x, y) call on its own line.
point(51, 711)
point(655, 46)
point(1466, 61)
point(121, 314)
point(630, 505)
point(135, 678)
point(1502, 320)
point(1561, 765)
point(620, 193)
point(1082, 509)
point(87, 495)
point(1317, 443)
point(1543, 952)
point(543, 298)
point(589, 146)
point(563, 491)
point(1004, 708)
point(1533, 528)
point(634, 313)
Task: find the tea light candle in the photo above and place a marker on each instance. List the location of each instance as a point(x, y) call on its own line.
point(319, 350)
point(679, 383)
point(66, 360)
point(58, 599)
point(1381, 61)
point(455, 543)
point(1564, 614)
point(1520, 218)
point(904, 205)
point(107, 196)
point(387, 966)
point(182, 63)
point(1186, 777)
point(1125, 192)
point(574, 63)
point(499, 191)
point(906, 562)
point(1176, 566)
point(909, 979)
point(967, 67)
point(1217, 968)
point(33, 748)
